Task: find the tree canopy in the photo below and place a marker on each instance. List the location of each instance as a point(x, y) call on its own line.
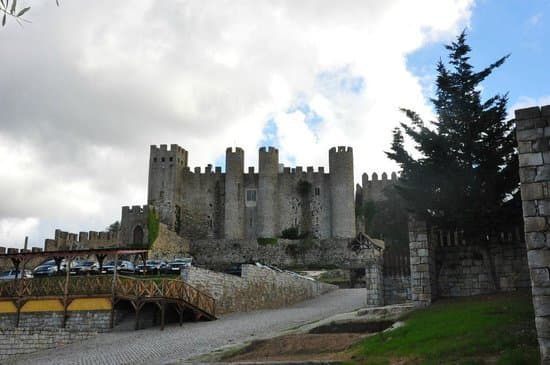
point(466, 173)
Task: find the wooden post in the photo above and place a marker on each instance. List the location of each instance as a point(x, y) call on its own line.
point(162, 310)
point(180, 312)
point(66, 291)
point(113, 289)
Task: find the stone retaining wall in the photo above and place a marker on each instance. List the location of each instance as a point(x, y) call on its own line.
point(98, 321)
point(18, 341)
point(256, 288)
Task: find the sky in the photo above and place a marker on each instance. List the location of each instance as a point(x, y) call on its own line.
point(86, 87)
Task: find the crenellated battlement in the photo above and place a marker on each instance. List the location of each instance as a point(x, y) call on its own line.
point(135, 209)
point(64, 240)
point(340, 149)
point(238, 150)
point(374, 177)
point(269, 149)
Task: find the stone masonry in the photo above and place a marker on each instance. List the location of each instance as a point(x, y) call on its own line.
point(238, 204)
point(533, 136)
point(421, 263)
point(18, 341)
point(256, 288)
point(374, 279)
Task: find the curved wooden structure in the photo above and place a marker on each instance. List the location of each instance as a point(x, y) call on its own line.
point(116, 288)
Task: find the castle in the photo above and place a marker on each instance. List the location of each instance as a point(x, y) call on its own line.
point(239, 204)
point(276, 201)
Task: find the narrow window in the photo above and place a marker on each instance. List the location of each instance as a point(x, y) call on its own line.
point(317, 191)
point(251, 195)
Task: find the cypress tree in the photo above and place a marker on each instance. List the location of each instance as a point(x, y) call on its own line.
point(465, 174)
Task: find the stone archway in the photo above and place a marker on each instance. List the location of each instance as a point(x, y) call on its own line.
point(137, 236)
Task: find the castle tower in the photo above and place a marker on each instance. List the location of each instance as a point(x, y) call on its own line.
point(341, 192)
point(234, 193)
point(268, 192)
point(166, 168)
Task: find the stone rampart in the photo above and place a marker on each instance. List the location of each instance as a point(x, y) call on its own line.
point(282, 253)
point(256, 288)
point(18, 341)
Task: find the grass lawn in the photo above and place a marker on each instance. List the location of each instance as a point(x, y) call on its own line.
point(496, 329)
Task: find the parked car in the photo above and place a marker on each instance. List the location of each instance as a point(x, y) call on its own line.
point(82, 268)
point(123, 267)
point(152, 267)
point(175, 267)
point(11, 274)
point(45, 270)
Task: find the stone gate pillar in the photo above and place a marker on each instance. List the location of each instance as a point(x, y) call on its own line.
point(374, 282)
point(422, 262)
point(533, 136)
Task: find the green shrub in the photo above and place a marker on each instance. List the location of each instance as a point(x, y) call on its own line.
point(267, 241)
point(152, 226)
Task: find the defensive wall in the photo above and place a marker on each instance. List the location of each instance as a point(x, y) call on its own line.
point(258, 287)
point(282, 253)
point(84, 240)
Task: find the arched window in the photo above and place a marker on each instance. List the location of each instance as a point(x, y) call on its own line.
point(138, 236)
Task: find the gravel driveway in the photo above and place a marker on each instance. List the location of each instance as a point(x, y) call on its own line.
point(181, 344)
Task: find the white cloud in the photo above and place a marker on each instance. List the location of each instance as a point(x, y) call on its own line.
point(89, 85)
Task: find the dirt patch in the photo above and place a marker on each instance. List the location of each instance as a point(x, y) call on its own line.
point(353, 327)
point(299, 347)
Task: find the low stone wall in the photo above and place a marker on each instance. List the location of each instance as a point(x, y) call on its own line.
point(97, 321)
point(18, 341)
point(256, 288)
point(217, 253)
point(466, 270)
point(397, 289)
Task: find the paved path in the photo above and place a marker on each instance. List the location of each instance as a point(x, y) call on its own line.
point(181, 344)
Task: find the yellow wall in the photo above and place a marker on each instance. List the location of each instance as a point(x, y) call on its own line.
point(56, 305)
point(42, 305)
point(90, 304)
point(7, 306)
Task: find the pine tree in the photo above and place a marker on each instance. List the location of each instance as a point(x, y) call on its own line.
point(466, 175)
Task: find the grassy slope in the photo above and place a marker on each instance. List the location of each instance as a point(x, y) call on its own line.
point(496, 329)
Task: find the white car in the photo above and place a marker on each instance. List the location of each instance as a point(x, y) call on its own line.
point(10, 274)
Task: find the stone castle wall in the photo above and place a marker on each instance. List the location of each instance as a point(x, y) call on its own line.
point(71, 241)
point(256, 288)
point(285, 253)
point(238, 204)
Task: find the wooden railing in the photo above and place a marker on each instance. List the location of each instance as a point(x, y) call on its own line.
point(125, 288)
point(144, 289)
point(55, 287)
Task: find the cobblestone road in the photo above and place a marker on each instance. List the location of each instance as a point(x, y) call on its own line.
point(181, 344)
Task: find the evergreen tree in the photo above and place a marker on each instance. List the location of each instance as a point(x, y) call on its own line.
point(466, 175)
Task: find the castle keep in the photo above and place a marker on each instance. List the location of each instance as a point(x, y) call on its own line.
point(239, 204)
